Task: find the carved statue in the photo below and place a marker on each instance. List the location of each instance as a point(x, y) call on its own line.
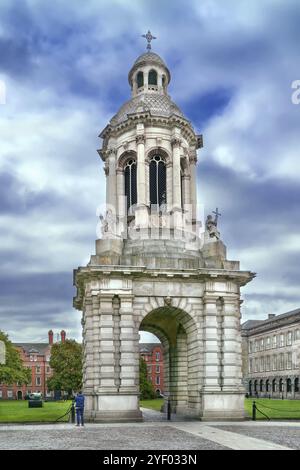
point(108, 224)
point(211, 227)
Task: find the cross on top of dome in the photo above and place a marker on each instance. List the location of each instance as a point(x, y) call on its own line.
point(149, 38)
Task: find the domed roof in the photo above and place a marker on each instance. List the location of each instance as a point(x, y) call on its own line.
point(148, 58)
point(156, 103)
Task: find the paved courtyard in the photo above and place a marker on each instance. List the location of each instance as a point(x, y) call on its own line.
point(154, 434)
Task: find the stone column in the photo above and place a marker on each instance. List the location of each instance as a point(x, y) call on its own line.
point(91, 349)
point(193, 185)
point(141, 214)
point(121, 203)
point(106, 343)
point(211, 348)
point(176, 144)
point(232, 345)
point(129, 360)
point(111, 199)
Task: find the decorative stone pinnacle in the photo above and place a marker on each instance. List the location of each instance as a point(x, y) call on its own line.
point(149, 38)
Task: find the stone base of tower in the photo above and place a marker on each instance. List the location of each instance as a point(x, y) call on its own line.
point(223, 406)
point(113, 408)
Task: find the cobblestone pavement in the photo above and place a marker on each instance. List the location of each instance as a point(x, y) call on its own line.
point(288, 436)
point(101, 437)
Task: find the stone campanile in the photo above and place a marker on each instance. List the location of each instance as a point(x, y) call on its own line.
point(156, 269)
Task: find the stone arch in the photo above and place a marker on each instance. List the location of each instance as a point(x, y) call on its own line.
point(165, 154)
point(178, 332)
point(124, 157)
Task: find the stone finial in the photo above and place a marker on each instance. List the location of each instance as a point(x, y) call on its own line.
point(140, 139)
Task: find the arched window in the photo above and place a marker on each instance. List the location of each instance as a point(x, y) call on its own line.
point(152, 77)
point(296, 385)
point(274, 385)
point(261, 385)
point(163, 80)
point(140, 79)
point(250, 388)
point(158, 178)
point(255, 386)
point(267, 386)
point(130, 184)
point(288, 385)
point(281, 385)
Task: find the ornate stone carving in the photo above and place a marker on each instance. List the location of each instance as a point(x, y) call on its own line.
point(108, 224)
point(176, 142)
point(140, 139)
point(168, 301)
point(211, 225)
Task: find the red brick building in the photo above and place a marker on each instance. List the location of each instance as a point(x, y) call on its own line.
point(35, 356)
point(153, 356)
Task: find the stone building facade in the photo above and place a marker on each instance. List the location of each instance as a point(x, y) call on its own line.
point(271, 356)
point(152, 353)
point(158, 268)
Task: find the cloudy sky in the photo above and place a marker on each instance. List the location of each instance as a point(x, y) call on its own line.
point(64, 67)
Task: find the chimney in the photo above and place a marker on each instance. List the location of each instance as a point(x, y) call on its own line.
point(63, 336)
point(50, 337)
point(271, 315)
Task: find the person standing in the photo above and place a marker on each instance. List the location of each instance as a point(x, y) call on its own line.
point(79, 406)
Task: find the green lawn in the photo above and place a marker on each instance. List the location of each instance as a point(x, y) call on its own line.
point(155, 404)
point(17, 411)
point(281, 409)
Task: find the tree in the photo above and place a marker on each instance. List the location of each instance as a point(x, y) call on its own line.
point(13, 370)
point(66, 362)
point(146, 387)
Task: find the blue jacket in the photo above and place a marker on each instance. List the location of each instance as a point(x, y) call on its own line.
point(79, 401)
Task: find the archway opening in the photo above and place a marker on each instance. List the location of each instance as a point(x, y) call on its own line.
point(177, 333)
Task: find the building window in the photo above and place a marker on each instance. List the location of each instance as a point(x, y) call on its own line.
point(268, 342)
point(9, 394)
point(48, 370)
point(158, 181)
point(140, 79)
point(281, 364)
point(130, 184)
point(274, 385)
point(297, 335)
point(261, 345)
point(261, 386)
point(281, 341)
point(267, 386)
point(31, 358)
point(157, 356)
point(157, 369)
point(256, 365)
point(0, 393)
point(288, 385)
point(250, 347)
point(289, 338)
point(268, 363)
point(38, 369)
point(274, 342)
point(157, 380)
point(261, 367)
point(38, 381)
point(289, 361)
point(256, 346)
point(296, 385)
point(152, 77)
point(250, 366)
point(274, 362)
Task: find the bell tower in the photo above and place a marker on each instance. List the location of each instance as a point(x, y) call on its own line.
point(157, 268)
